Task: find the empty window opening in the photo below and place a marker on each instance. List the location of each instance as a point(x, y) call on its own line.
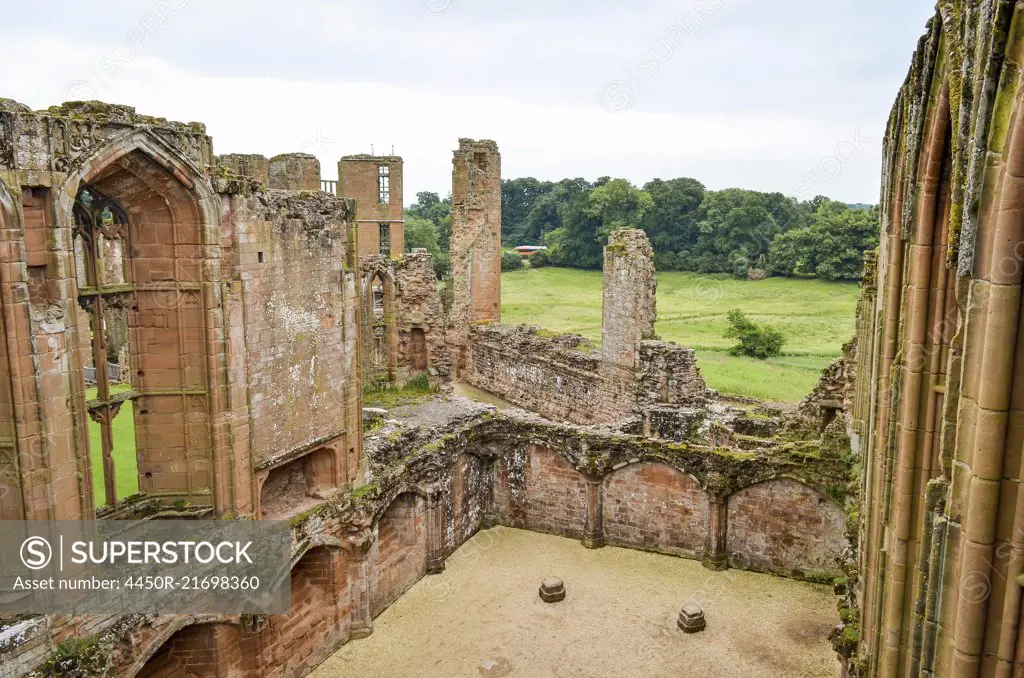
point(385, 239)
point(101, 244)
point(480, 160)
point(259, 257)
point(384, 184)
point(828, 415)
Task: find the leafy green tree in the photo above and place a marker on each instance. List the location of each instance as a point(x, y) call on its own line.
point(736, 231)
point(511, 261)
point(755, 341)
point(422, 233)
point(518, 197)
point(432, 208)
point(616, 204)
point(831, 247)
point(539, 259)
point(671, 222)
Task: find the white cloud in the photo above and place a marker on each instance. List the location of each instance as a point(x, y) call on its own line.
point(732, 107)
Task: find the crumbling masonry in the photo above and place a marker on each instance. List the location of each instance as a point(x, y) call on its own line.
point(252, 313)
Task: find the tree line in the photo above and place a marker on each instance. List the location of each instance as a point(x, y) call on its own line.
point(734, 231)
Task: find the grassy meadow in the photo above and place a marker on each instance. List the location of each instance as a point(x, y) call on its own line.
point(126, 464)
point(817, 318)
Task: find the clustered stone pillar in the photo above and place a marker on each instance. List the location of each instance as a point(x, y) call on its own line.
point(593, 531)
point(940, 379)
point(475, 242)
point(435, 531)
point(716, 554)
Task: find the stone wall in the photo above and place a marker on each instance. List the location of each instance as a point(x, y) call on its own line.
point(657, 508)
point(562, 378)
point(240, 316)
point(250, 165)
point(294, 172)
point(296, 297)
point(441, 473)
point(401, 551)
point(785, 527)
point(541, 491)
point(567, 378)
point(403, 319)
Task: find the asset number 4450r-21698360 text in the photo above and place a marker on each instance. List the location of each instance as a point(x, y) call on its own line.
point(193, 583)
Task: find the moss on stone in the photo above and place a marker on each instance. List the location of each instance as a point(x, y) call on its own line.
point(78, 658)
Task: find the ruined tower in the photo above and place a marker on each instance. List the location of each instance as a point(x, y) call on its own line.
point(629, 289)
point(375, 182)
point(476, 239)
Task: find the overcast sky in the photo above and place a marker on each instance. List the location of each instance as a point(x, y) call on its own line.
point(774, 95)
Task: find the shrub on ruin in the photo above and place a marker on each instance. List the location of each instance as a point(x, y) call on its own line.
point(511, 260)
point(756, 341)
point(539, 259)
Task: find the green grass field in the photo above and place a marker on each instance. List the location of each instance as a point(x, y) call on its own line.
point(126, 464)
point(816, 317)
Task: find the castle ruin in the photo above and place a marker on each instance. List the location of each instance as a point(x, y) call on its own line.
point(254, 315)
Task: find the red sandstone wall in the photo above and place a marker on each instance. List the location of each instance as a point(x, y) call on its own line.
point(655, 507)
point(541, 491)
point(190, 652)
point(298, 356)
point(295, 643)
point(401, 551)
point(784, 527)
point(469, 495)
point(292, 644)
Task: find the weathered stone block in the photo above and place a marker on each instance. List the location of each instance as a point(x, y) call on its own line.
point(691, 618)
point(552, 590)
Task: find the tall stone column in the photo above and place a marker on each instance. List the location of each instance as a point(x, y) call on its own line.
point(435, 531)
point(629, 296)
point(593, 531)
point(475, 242)
point(716, 553)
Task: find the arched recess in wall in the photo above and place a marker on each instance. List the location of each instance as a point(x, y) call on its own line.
point(11, 488)
point(784, 526)
point(671, 506)
point(140, 216)
point(163, 654)
point(317, 594)
point(401, 549)
point(469, 498)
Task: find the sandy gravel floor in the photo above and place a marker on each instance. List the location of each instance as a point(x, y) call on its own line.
point(483, 617)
